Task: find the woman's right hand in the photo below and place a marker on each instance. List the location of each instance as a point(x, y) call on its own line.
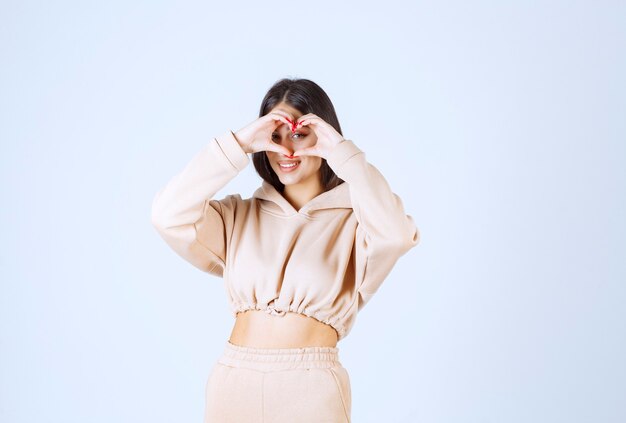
point(257, 136)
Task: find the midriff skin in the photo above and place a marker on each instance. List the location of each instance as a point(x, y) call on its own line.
point(259, 329)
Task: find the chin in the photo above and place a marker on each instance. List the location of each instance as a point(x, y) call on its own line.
point(289, 181)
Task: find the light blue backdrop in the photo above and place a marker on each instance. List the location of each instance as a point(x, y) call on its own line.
point(500, 124)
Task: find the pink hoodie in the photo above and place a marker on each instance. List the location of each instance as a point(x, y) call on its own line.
point(325, 260)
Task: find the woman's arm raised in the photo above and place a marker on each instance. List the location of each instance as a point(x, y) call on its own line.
point(385, 232)
point(184, 212)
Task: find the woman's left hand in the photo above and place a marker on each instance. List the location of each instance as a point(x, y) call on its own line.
point(327, 136)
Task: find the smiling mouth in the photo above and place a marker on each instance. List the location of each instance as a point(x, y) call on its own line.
point(288, 166)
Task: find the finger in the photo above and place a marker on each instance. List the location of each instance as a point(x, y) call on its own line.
point(308, 115)
point(311, 120)
point(280, 149)
point(281, 118)
point(310, 151)
point(293, 125)
point(283, 114)
point(296, 122)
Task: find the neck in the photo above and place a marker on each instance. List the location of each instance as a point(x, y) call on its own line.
point(301, 193)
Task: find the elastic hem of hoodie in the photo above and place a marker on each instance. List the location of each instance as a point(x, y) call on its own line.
point(236, 308)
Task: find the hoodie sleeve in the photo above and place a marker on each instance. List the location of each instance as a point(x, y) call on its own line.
point(384, 231)
point(184, 212)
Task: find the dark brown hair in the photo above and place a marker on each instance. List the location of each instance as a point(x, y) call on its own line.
point(307, 97)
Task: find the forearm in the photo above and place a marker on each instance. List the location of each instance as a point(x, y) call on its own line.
point(182, 199)
point(377, 208)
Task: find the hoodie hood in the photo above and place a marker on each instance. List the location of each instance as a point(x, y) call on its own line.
point(336, 198)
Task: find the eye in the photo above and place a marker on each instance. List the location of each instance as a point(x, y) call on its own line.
point(299, 136)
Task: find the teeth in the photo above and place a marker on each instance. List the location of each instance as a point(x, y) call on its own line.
point(291, 165)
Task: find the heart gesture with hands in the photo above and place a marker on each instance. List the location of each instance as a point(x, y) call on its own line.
point(327, 136)
point(294, 145)
point(256, 136)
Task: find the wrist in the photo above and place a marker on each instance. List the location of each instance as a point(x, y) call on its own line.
point(242, 145)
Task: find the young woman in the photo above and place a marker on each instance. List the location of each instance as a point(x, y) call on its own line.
point(299, 258)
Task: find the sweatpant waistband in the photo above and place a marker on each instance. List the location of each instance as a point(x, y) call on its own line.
point(270, 359)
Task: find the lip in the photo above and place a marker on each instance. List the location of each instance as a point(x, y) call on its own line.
point(289, 169)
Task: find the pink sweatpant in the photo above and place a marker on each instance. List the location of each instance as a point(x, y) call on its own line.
point(278, 385)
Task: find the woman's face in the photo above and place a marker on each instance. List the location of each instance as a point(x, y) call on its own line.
point(306, 167)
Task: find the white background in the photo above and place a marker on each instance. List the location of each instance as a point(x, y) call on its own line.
point(500, 124)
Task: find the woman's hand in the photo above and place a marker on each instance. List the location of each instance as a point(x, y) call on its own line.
point(257, 136)
point(327, 136)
